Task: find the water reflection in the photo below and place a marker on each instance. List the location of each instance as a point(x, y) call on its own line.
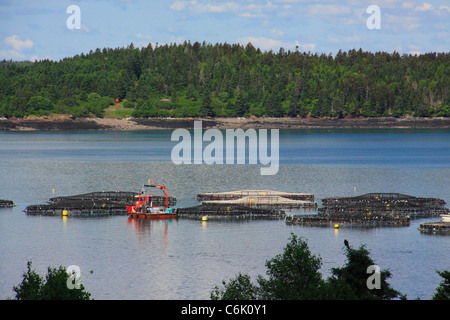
point(144, 228)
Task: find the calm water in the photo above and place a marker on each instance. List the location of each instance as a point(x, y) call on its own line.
point(184, 259)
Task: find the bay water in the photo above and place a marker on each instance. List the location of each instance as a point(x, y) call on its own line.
point(184, 259)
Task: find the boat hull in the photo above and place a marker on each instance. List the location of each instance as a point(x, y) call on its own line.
point(152, 216)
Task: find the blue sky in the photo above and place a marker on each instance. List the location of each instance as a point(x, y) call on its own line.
point(37, 29)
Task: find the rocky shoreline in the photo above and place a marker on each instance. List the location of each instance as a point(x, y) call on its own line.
point(131, 124)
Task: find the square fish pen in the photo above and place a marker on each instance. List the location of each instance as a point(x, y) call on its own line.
point(384, 204)
point(6, 204)
point(371, 209)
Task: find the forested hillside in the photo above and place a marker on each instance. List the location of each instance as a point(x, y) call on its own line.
point(228, 80)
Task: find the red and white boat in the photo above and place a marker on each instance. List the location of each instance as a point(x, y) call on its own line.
point(144, 208)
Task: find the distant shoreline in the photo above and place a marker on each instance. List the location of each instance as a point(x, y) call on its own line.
point(133, 124)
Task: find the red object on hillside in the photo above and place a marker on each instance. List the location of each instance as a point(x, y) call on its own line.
point(117, 100)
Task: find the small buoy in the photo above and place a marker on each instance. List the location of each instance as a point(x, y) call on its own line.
point(64, 213)
point(53, 190)
point(336, 226)
point(204, 218)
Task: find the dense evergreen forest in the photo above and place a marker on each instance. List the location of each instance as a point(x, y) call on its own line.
point(228, 80)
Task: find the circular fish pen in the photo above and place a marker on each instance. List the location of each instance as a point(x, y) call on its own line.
point(103, 203)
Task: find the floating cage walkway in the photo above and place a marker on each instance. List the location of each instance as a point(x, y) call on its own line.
point(435, 228)
point(233, 211)
point(333, 221)
point(260, 199)
point(439, 227)
point(6, 204)
point(121, 196)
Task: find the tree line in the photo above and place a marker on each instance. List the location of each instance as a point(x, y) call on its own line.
point(292, 275)
point(228, 80)
point(295, 275)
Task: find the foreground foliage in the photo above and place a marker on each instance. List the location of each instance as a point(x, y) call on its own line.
point(54, 287)
point(201, 79)
point(294, 275)
point(443, 291)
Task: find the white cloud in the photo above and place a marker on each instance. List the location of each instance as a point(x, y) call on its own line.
point(427, 7)
point(262, 43)
point(144, 40)
point(246, 10)
point(85, 28)
point(291, 1)
point(277, 33)
point(143, 36)
point(442, 8)
point(178, 40)
point(413, 47)
point(18, 44)
point(195, 5)
point(36, 58)
point(179, 5)
point(226, 7)
point(345, 39)
point(250, 15)
point(398, 23)
point(17, 47)
point(11, 55)
point(303, 47)
point(328, 9)
point(424, 7)
point(407, 5)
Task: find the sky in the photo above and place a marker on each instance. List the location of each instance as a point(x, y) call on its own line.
point(52, 29)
